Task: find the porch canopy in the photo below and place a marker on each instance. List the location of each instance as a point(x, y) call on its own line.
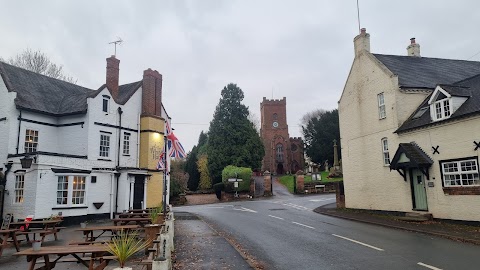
point(410, 156)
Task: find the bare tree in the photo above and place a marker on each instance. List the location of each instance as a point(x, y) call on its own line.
point(254, 119)
point(39, 62)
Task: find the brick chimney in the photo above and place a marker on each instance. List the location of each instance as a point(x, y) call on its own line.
point(413, 49)
point(362, 42)
point(113, 70)
point(152, 93)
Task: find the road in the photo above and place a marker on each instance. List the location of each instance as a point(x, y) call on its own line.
point(284, 233)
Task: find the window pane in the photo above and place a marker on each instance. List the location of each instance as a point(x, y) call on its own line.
point(446, 108)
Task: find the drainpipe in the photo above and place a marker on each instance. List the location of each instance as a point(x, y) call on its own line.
point(4, 182)
point(117, 174)
point(111, 196)
point(19, 126)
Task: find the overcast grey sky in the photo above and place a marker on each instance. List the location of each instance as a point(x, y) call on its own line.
point(302, 49)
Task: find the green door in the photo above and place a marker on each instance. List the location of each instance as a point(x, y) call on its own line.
point(419, 193)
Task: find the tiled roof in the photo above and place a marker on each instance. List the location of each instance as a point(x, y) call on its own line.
point(424, 72)
point(413, 152)
point(469, 88)
point(47, 95)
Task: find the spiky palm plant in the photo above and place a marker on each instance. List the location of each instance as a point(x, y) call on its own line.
point(125, 245)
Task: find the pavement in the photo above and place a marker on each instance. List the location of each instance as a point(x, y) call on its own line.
point(199, 246)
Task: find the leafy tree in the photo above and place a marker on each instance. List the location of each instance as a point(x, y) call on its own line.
point(39, 62)
point(191, 163)
point(319, 132)
point(205, 181)
point(232, 137)
point(178, 177)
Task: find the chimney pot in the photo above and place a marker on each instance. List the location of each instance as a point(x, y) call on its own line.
point(362, 42)
point(413, 49)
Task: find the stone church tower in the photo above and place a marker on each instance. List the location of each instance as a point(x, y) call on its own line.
point(282, 153)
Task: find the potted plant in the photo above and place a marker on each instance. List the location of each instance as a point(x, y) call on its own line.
point(156, 218)
point(124, 246)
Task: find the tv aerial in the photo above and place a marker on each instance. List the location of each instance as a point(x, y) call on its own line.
point(115, 43)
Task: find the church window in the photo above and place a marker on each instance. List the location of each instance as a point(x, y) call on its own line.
point(275, 116)
point(294, 147)
point(279, 152)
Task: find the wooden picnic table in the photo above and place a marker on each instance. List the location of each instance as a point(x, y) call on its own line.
point(5, 235)
point(47, 227)
point(131, 215)
point(138, 220)
point(88, 232)
point(97, 254)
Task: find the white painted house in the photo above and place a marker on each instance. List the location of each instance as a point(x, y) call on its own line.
point(85, 144)
point(410, 133)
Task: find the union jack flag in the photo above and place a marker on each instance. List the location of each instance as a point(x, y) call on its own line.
point(174, 146)
point(161, 161)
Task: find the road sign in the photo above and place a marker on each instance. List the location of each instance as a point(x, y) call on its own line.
point(235, 180)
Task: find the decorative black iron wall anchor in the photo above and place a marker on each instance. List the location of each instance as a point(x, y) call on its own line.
point(435, 150)
point(477, 145)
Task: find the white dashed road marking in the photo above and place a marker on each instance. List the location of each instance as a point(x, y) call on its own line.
point(310, 227)
point(245, 210)
point(322, 200)
point(358, 242)
point(428, 266)
point(275, 217)
point(299, 207)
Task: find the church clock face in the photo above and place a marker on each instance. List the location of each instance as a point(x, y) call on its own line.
point(275, 124)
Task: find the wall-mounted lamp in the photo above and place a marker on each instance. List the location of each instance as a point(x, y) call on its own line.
point(26, 162)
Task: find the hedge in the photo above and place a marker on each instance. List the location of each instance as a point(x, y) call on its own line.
point(237, 172)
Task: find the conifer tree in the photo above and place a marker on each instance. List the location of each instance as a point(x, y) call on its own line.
point(232, 137)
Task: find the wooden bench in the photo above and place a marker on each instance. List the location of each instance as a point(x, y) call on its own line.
point(67, 260)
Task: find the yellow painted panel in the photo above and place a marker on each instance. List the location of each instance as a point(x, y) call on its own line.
point(155, 189)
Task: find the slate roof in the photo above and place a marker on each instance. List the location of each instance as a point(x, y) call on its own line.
point(469, 88)
point(425, 72)
point(416, 155)
point(51, 96)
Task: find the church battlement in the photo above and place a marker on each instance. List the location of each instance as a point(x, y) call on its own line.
point(298, 139)
point(273, 101)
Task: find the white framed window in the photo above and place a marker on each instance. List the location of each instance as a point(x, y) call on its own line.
point(19, 187)
point(460, 173)
point(31, 140)
point(442, 109)
point(104, 145)
point(62, 190)
point(385, 153)
point(381, 106)
point(126, 143)
point(71, 190)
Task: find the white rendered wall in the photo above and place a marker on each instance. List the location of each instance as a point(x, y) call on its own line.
point(455, 141)
point(368, 183)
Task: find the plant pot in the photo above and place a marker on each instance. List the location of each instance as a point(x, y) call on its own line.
point(83, 225)
point(36, 245)
point(117, 268)
point(151, 231)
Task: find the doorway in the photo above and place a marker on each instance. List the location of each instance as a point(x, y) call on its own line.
point(280, 169)
point(419, 194)
point(138, 192)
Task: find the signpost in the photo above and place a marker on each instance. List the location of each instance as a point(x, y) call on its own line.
point(235, 183)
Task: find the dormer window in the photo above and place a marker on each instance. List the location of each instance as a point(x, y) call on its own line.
point(105, 104)
point(443, 104)
point(442, 109)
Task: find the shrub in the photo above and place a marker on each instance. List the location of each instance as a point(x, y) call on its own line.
point(218, 187)
point(237, 172)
